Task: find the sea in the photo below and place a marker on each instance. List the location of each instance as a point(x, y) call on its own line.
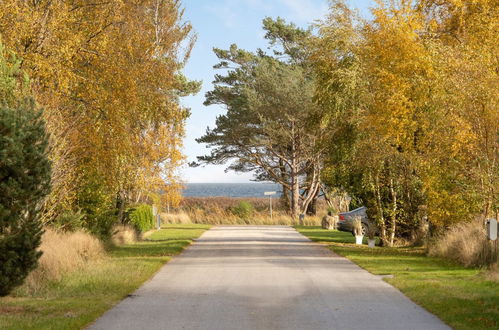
point(253, 189)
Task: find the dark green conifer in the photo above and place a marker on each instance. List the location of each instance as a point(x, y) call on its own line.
point(24, 176)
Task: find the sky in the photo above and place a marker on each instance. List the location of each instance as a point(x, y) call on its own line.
point(220, 23)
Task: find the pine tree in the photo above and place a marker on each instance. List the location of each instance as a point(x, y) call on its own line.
point(24, 181)
point(24, 176)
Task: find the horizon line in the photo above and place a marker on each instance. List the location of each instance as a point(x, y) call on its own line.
point(255, 182)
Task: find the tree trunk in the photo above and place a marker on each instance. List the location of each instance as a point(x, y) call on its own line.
point(393, 215)
point(381, 218)
point(120, 205)
point(295, 182)
point(139, 196)
point(285, 198)
point(313, 190)
point(310, 198)
point(312, 207)
point(295, 194)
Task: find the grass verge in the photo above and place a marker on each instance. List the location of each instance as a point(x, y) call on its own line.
point(81, 297)
point(462, 297)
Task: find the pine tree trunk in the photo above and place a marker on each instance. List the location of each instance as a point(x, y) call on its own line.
point(295, 194)
point(285, 198)
point(295, 183)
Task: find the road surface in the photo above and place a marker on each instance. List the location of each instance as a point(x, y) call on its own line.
point(260, 277)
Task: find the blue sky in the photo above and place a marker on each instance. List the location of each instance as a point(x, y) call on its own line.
point(220, 23)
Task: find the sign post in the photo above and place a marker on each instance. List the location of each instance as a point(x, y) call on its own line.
point(155, 213)
point(270, 193)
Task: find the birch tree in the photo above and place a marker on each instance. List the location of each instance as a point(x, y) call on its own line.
point(108, 75)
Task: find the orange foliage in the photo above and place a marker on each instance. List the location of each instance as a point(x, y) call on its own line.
point(107, 74)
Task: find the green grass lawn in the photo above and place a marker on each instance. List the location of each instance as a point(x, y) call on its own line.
point(460, 296)
point(80, 297)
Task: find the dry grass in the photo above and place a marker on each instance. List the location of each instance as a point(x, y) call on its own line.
point(218, 211)
point(63, 252)
point(492, 274)
point(467, 244)
point(123, 234)
point(177, 217)
point(224, 203)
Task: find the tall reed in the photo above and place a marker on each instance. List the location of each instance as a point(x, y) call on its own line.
point(223, 210)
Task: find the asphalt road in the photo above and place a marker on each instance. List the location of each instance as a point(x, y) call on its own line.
point(264, 278)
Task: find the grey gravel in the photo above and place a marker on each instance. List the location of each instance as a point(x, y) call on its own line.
point(264, 277)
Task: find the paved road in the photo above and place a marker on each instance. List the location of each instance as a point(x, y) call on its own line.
point(264, 278)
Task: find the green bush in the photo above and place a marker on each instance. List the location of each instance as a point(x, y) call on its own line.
point(141, 217)
point(243, 210)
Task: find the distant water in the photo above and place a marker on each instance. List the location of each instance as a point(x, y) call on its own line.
point(230, 189)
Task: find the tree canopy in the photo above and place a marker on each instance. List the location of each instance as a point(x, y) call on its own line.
point(268, 126)
point(108, 76)
point(410, 99)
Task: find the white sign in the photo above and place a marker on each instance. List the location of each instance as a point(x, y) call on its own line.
point(269, 193)
point(492, 229)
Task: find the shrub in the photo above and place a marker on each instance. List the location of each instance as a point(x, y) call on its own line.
point(141, 217)
point(24, 182)
point(243, 210)
point(103, 224)
point(95, 202)
point(467, 244)
point(63, 252)
point(123, 234)
point(331, 210)
point(69, 221)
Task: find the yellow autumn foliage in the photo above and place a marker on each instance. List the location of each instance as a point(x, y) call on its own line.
point(108, 76)
point(411, 99)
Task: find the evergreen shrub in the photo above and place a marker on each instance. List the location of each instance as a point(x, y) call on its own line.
point(24, 182)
